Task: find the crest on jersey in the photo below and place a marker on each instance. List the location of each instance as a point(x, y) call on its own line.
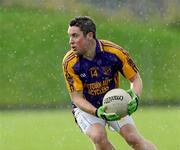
point(106, 70)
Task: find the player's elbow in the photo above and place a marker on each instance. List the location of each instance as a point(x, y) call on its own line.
point(137, 84)
point(76, 98)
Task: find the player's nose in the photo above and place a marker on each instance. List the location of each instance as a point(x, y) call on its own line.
point(71, 41)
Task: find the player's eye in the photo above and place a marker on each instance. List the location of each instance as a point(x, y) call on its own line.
point(75, 35)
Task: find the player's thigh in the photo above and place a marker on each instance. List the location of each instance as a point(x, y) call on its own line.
point(85, 120)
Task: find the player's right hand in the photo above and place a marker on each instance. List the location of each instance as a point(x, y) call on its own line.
point(100, 112)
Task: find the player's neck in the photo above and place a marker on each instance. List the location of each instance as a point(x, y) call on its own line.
point(91, 51)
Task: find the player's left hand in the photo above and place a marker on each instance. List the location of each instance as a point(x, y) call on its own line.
point(133, 103)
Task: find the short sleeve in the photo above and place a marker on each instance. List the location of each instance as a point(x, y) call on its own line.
point(129, 68)
point(73, 81)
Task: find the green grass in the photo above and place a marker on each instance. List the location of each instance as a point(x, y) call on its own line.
point(34, 41)
point(56, 130)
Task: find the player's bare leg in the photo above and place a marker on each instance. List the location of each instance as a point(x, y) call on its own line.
point(98, 136)
point(134, 139)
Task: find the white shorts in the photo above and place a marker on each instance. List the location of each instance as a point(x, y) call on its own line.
point(85, 120)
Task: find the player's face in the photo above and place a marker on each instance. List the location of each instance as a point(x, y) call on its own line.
point(77, 40)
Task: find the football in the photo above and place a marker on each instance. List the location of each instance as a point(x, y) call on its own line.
point(116, 101)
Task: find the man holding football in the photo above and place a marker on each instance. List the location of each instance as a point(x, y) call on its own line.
point(91, 68)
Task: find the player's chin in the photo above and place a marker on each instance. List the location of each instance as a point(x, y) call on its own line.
point(76, 52)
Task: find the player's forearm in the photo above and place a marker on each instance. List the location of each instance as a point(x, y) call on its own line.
point(137, 85)
point(82, 103)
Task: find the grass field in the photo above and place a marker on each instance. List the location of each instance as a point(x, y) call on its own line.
point(56, 130)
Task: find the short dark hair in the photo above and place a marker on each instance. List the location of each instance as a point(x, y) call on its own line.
point(86, 25)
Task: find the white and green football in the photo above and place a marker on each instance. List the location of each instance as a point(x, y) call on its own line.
point(116, 101)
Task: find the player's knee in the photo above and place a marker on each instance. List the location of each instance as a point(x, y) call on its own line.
point(138, 141)
point(150, 146)
point(98, 138)
point(133, 139)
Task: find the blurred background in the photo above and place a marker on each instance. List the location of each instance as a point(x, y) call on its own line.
point(34, 40)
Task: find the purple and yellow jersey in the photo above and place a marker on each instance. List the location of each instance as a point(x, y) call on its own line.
point(98, 76)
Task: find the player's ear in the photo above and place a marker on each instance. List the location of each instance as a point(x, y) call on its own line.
point(90, 36)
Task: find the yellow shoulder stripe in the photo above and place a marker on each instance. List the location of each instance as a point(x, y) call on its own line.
point(68, 55)
point(109, 43)
point(118, 52)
